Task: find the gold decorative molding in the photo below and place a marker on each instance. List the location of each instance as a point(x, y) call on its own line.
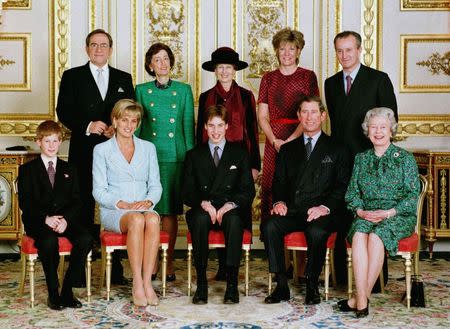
point(423, 125)
point(436, 63)
point(25, 55)
point(134, 54)
point(371, 31)
point(13, 124)
point(425, 5)
point(5, 62)
point(91, 14)
point(443, 199)
point(166, 24)
point(17, 4)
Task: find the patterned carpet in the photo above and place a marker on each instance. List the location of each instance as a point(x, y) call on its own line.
point(177, 311)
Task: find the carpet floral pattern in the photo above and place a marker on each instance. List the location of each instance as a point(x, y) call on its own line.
point(177, 311)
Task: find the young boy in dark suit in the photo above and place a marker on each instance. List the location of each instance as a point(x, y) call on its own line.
point(50, 201)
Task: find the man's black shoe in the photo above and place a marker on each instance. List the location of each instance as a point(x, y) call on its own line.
point(201, 295)
point(54, 303)
point(312, 293)
point(71, 302)
point(278, 295)
point(221, 274)
point(171, 277)
point(231, 294)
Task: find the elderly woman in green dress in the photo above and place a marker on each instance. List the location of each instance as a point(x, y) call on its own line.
point(382, 195)
point(168, 122)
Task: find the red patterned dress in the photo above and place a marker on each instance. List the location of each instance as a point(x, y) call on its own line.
point(282, 94)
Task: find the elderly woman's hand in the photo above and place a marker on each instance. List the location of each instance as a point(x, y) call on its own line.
point(375, 216)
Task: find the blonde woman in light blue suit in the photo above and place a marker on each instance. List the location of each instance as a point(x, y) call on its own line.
point(127, 187)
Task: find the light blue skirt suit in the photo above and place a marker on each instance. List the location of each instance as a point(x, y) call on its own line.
point(115, 179)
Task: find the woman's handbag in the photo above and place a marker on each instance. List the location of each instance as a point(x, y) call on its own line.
point(417, 291)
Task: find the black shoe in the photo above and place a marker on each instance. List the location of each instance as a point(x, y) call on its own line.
point(71, 302)
point(221, 275)
point(171, 277)
point(344, 307)
point(312, 293)
point(201, 295)
point(54, 303)
point(154, 276)
point(79, 284)
point(364, 312)
point(231, 294)
point(120, 281)
point(278, 295)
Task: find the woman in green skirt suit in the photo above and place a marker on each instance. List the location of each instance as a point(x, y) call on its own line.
point(168, 123)
point(382, 195)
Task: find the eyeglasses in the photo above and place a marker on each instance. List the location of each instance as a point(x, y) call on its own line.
point(96, 45)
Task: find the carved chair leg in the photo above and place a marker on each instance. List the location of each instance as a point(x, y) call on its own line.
point(247, 260)
point(189, 268)
point(327, 272)
point(349, 273)
point(23, 274)
point(108, 274)
point(31, 275)
point(88, 276)
point(164, 271)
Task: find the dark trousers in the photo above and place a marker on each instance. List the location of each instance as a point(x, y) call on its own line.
point(46, 241)
point(316, 232)
point(199, 224)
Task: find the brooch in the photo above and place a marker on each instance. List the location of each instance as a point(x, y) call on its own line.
point(396, 155)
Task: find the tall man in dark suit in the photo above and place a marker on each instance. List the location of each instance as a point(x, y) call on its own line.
point(51, 207)
point(219, 188)
point(311, 177)
point(349, 94)
point(86, 97)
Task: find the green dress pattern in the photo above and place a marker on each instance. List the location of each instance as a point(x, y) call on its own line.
point(389, 181)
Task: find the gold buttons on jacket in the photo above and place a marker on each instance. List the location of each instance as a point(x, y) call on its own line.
point(152, 104)
point(153, 119)
point(154, 134)
point(149, 91)
point(171, 120)
point(171, 135)
point(174, 106)
point(174, 93)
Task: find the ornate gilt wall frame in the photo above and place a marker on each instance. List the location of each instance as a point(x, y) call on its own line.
point(17, 4)
point(424, 5)
point(424, 63)
point(25, 124)
point(15, 57)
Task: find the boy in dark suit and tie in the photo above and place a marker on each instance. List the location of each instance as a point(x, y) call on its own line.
point(310, 181)
point(51, 206)
point(219, 188)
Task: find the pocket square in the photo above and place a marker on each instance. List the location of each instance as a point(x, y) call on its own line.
point(233, 167)
point(327, 159)
point(120, 90)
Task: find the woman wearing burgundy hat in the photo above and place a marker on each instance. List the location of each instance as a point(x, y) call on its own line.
point(241, 106)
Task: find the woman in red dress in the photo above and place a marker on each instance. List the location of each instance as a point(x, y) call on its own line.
point(279, 94)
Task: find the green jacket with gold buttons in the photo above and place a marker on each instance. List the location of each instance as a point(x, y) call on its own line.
point(168, 120)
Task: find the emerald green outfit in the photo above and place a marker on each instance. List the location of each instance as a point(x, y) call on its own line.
point(389, 181)
point(168, 122)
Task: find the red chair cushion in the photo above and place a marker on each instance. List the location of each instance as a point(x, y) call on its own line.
point(27, 245)
point(409, 244)
point(217, 237)
point(298, 240)
point(110, 239)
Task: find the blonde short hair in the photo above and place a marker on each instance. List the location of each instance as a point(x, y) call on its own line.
point(127, 105)
point(288, 35)
point(383, 112)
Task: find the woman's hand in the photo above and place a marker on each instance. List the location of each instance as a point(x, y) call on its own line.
point(375, 216)
point(138, 205)
point(277, 143)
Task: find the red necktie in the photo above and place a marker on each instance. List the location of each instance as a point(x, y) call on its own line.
point(51, 172)
point(349, 84)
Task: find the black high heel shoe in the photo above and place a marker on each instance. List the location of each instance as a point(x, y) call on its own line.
point(364, 312)
point(344, 307)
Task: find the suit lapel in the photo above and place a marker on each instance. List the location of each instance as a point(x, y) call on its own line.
point(222, 168)
point(111, 82)
point(300, 159)
point(43, 175)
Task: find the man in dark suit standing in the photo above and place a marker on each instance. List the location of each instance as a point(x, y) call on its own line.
point(86, 97)
point(51, 207)
point(219, 188)
point(349, 94)
point(311, 177)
